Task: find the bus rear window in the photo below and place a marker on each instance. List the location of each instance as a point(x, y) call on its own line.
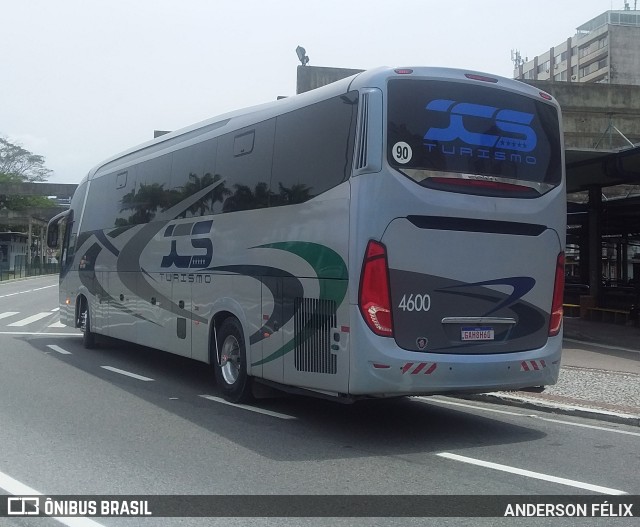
point(448, 134)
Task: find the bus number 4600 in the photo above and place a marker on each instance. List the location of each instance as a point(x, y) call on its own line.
point(415, 302)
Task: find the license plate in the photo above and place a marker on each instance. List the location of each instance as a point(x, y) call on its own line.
point(474, 334)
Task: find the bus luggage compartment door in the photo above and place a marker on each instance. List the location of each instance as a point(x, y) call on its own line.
point(467, 290)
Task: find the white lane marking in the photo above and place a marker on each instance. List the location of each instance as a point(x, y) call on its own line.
point(55, 309)
point(16, 488)
point(9, 314)
point(27, 291)
point(58, 349)
point(40, 334)
point(57, 325)
point(465, 405)
point(530, 474)
point(250, 408)
point(127, 373)
point(29, 320)
point(594, 427)
point(542, 418)
point(597, 345)
point(569, 407)
point(41, 288)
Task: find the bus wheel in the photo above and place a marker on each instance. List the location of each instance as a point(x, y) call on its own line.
point(230, 363)
point(88, 337)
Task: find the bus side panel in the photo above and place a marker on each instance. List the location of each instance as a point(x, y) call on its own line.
point(122, 321)
point(100, 320)
point(157, 326)
point(67, 310)
point(162, 323)
point(270, 339)
point(295, 257)
point(319, 336)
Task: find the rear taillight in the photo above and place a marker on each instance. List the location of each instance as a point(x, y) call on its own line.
point(558, 291)
point(481, 184)
point(476, 77)
point(374, 299)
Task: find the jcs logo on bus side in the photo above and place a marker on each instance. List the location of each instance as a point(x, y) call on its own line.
point(189, 261)
point(519, 136)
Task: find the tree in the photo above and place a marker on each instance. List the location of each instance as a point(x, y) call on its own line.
point(18, 161)
point(18, 165)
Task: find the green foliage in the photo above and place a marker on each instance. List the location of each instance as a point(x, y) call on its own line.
point(18, 165)
point(21, 202)
point(19, 162)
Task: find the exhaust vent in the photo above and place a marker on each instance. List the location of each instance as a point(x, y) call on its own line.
point(313, 321)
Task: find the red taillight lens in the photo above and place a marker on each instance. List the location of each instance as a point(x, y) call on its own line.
point(374, 299)
point(558, 291)
point(476, 77)
point(481, 184)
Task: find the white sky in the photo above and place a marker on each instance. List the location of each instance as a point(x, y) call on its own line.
point(81, 80)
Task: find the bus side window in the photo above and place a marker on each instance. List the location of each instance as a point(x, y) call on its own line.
point(70, 250)
point(244, 162)
point(101, 213)
point(313, 149)
point(193, 170)
point(243, 143)
point(151, 194)
point(121, 182)
point(71, 225)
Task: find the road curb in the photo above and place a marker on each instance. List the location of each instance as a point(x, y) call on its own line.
point(554, 407)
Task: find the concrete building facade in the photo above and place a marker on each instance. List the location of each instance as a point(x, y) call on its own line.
point(605, 50)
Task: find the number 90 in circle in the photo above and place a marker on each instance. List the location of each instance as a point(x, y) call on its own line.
point(415, 302)
point(402, 152)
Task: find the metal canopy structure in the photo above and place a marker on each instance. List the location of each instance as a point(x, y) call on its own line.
point(616, 178)
point(603, 210)
point(588, 168)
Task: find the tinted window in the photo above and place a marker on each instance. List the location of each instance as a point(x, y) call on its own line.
point(193, 171)
point(244, 164)
point(459, 128)
point(102, 206)
point(149, 196)
point(313, 149)
point(72, 223)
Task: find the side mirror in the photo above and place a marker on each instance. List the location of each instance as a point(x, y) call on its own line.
point(53, 235)
point(53, 229)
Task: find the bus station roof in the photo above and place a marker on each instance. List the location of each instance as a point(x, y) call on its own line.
point(587, 168)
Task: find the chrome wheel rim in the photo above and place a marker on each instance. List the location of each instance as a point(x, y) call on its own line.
point(230, 360)
point(83, 321)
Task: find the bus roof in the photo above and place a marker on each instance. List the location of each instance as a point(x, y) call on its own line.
point(375, 78)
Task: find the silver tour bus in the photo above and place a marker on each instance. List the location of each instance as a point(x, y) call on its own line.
point(399, 232)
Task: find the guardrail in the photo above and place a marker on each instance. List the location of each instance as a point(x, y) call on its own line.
point(25, 271)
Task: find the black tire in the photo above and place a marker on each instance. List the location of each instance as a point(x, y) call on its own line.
point(88, 337)
point(230, 363)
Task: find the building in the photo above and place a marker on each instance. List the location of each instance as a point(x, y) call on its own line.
point(13, 250)
point(605, 49)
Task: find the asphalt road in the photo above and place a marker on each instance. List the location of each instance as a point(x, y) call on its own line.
point(122, 419)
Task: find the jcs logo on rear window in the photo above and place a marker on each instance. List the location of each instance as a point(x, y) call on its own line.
point(513, 131)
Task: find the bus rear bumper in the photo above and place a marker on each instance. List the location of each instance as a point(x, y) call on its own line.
point(400, 372)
